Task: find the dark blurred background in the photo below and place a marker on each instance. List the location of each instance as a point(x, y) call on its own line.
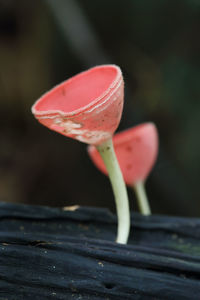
point(157, 45)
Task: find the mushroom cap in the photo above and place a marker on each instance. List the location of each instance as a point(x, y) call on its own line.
point(86, 107)
point(136, 150)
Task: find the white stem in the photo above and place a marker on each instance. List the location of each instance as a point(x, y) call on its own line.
point(143, 202)
point(119, 189)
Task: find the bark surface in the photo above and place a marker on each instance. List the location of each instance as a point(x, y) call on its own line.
point(49, 253)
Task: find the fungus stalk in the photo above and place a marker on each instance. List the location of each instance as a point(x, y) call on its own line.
point(143, 202)
point(107, 153)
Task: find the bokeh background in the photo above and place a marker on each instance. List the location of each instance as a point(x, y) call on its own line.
point(157, 45)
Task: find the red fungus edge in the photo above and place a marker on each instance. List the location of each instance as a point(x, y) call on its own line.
point(127, 134)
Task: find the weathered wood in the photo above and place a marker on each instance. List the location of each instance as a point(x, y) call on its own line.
point(48, 253)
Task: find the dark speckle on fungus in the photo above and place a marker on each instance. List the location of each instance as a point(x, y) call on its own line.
point(129, 148)
point(137, 139)
point(129, 166)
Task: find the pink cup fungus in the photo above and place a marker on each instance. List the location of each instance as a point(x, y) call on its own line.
point(136, 150)
point(88, 108)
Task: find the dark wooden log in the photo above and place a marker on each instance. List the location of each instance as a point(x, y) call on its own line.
point(48, 253)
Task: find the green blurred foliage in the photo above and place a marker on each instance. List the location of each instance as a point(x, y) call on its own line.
point(157, 45)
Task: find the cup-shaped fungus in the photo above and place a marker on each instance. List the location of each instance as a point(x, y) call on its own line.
point(136, 150)
point(88, 107)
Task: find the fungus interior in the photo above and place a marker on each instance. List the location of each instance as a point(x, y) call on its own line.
point(78, 91)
